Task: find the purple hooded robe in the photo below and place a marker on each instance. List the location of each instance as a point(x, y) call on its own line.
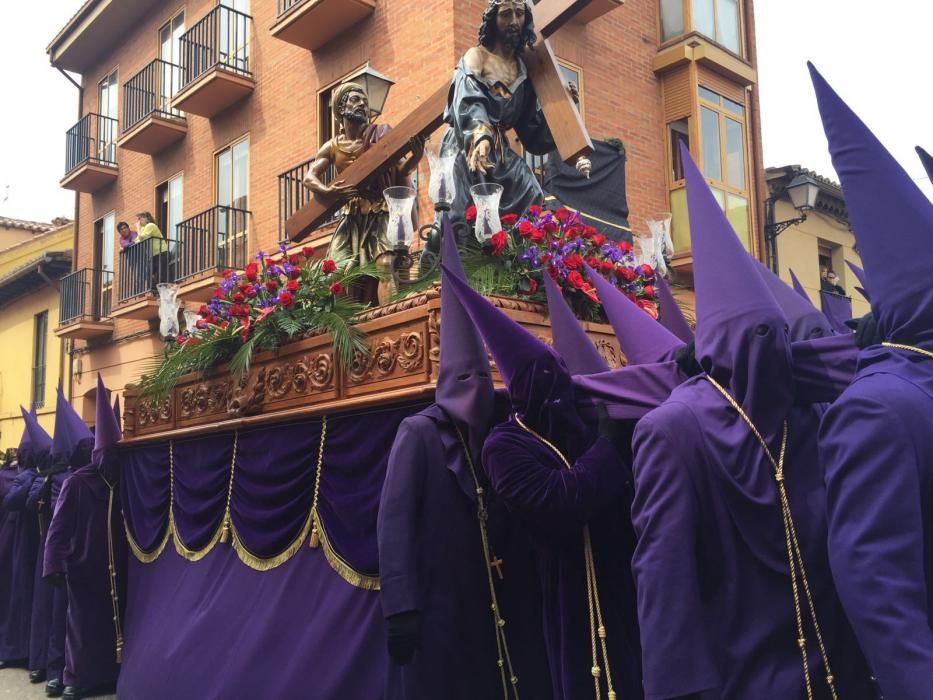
point(715, 600)
point(77, 546)
point(431, 558)
point(876, 441)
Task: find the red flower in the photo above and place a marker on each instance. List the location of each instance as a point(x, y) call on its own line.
point(573, 262)
point(649, 308)
point(590, 291)
point(218, 293)
point(649, 292)
point(238, 297)
point(244, 331)
point(575, 280)
point(647, 270)
point(307, 251)
point(201, 324)
point(625, 246)
point(534, 209)
point(294, 260)
point(599, 239)
point(286, 299)
point(509, 219)
point(328, 266)
point(605, 266)
point(537, 236)
point(532, 285)
point(251, 292)
point(573, 231)
point(336, 288)
point(239, 310)
point(550, 227)
point(294, 274)
point(589, 231)
point(252, 271)
point(625, 273)
point(562, 214)
point(498, 242)
point(552, 271)
point(292, 286)
point(272, 285)
point(228, 274)
point(471, 213)
point(592, 261)
point(204, 311)
point(526, 228)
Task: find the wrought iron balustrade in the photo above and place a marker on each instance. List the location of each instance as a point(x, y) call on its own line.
point(92, 140)
point(214, 240)
point(219, 39)
point(85, 295)
point(145, 264)
point(150, 93)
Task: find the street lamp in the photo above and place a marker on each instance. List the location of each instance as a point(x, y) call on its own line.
point(803, 191)
point(375, 84)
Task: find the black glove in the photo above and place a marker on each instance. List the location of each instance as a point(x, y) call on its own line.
point(402, 636)
point(687, 360)
point(866, 333)
point(55, 580)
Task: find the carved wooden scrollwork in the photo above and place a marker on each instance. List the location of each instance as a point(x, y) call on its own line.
point(204, 398)
point(608, 352)
point(249, 395)
point(301, 375)
point(151, 412)
point(406, 351)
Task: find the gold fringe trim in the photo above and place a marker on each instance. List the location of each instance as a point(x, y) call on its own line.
point(338, 564)
point(147, 557)
point(196, 554)
point(258, 563)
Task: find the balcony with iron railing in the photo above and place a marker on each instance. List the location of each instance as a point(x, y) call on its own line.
point(140, 267)
point(293, 195)
point(209, 243)
point(90, 153)
point(85, 300)
point(150, 122)
point(216, 70)
point(311, 24)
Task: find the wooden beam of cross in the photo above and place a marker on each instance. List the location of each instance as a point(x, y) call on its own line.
point(563, 118)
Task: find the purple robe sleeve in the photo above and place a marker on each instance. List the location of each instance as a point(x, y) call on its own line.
point(676, 654)
point(823, 367)
point(876, 540)
point(15, 500)
point(58, 544)
point(545, 490)
point(397, 523)
point(628, 392)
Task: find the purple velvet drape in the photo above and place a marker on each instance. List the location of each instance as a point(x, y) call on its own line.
point(216, 628)
point(838, 309)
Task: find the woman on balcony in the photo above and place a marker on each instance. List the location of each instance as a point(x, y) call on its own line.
point(148, 229)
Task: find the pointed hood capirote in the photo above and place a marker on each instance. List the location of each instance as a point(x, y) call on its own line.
point(672, 318)
point(927, 161)
point(804, 320)
point(798, 287)
point(107, 431)
point(464, 379)
point(70, 432)
point(117, 414)
point(24, 449)
point(40, 443)
point(570, 340)
point(892, 220)
point(860, 276)
point(538, 381)
point(642, 339)
point(741, 338)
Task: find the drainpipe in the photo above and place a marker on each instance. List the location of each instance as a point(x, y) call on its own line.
point(62, 351)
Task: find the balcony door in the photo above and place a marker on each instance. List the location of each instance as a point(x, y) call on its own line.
point(234, 34)
point(102, 284)
point(107, 124)
point(232, 197)
point(168, 215)
point(170, 53)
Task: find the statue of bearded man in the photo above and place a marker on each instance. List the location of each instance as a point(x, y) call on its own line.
point(491, 93)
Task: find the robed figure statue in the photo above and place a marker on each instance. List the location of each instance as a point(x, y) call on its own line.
point(491, 94)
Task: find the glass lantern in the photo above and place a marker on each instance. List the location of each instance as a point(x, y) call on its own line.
point(442, 188)
point(645, 250)
point(169, 303)
point(401, 201)
point(191, 320)
point(659, 226)
point(486, 196)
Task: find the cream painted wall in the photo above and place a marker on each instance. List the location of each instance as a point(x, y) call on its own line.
point(798, 249)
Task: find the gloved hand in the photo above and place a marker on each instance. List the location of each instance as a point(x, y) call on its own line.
point(866, 333)
point(687, 361)
point(55, 580)
point(402, 632)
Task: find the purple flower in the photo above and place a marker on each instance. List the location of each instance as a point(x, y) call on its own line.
point(261, 255)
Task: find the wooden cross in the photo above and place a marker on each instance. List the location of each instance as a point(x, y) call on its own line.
point(563, 118)
point(496, 564)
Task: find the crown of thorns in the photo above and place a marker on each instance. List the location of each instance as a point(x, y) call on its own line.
point(508, 4)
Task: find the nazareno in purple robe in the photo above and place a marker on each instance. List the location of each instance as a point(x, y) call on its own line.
point(876, 441)
point(716, 605)
point(431, 558)
point(77, 546)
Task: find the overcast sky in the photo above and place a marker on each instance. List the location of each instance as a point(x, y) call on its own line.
point(877, 56)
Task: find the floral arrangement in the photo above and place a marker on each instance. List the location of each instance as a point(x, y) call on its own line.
point(274, 300)
point(558, 243)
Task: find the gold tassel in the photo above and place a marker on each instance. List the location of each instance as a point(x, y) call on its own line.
point(120, 649)
point(225, 533)
point(315, 540)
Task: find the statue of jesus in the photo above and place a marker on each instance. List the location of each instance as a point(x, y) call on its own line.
point(491, 93)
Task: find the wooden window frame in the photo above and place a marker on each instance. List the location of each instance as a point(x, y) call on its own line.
point(723, 114)
point(687, 11)
point(37, 400)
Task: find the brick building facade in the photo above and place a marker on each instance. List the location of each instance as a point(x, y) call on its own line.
point(651, 74)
